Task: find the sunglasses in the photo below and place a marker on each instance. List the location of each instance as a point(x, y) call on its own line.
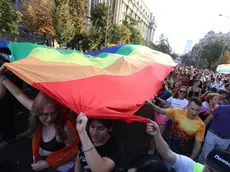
point(182, 91)
point(46, 115)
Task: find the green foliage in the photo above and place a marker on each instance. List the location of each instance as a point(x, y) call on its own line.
point(120, 34)
point(131, 24)
point(130, 21)
point(100, 14)
point(87, 41)
point(101, 18)
point(225, 59)
point(8, 17)
point(64, 22)
point(37, 16)
point(153, 46)
point(211, 53)
point(163, 44)
point(78, 9)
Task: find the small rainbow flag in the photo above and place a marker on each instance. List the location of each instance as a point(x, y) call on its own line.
point(223, 68)
point(110, 83)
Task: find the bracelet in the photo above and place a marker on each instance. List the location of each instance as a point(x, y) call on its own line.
point(89, 149)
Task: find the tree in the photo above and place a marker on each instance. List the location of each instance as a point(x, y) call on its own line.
point(101, 19)
point(163, 44)
point(37, 16)
point(78, 9)
point(120, 34)
point(225, 59)
point(87, 41)
point(101, 15)
point(64, 21)
point(152, 45)
point(131, 24)
point(211, 53)
point(8, 17)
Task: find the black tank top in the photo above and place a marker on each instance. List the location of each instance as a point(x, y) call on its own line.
point(193, 94)
point(52, 146)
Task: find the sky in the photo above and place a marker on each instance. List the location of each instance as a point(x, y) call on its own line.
point(182, 20)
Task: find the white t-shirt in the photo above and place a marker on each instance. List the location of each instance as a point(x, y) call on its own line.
point(184, 164)
point(173, 103)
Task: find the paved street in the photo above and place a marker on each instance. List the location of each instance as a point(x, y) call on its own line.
point(19, 150)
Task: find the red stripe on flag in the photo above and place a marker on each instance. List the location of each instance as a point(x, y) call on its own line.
point(106, 96)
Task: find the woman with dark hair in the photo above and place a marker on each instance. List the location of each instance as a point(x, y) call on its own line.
point(98, 149)
point(195, 90)
point(176, 86)
point(54, 135)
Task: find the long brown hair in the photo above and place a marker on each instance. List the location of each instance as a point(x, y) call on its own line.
point(176, 95)
point(37, 109)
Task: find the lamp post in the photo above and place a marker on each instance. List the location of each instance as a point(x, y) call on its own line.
point(201, 51)
point(106, 29)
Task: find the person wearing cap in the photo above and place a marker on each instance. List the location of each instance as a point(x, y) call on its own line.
point(218, 135)
point(186, 128)
point(217, 161)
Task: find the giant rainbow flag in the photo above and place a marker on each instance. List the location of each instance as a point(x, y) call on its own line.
point(110, 83)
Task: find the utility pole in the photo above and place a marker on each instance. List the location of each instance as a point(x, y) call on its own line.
point(201, 51)
point(106, 29)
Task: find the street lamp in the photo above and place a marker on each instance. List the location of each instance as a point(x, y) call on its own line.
point(106, 29)
point(201, 51)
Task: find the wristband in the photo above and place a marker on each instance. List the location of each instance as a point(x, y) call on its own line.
point(89, 149)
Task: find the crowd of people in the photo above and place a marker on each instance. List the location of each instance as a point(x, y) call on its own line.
point(189, 129)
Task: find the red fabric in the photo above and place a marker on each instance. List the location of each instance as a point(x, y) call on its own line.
point(60, 157)
point(106, 96)
point(186, 81)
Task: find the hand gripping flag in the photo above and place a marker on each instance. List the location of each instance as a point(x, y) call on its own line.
point(112, 83)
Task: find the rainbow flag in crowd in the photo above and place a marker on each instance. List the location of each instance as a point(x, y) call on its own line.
point(110, 83)
point(223, 68)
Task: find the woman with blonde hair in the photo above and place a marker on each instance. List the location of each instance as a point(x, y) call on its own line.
point(54, 135)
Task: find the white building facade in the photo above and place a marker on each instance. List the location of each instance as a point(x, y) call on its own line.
point(134, 8)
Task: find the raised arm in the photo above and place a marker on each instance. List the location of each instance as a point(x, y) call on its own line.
point(96, 162)
point(15, 91)
point(161, 146)
point(163, 102)
point(77, 166)
point(156, 108)
point(2, 90)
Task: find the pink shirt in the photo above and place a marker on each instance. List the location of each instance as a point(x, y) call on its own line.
point(161, 119)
